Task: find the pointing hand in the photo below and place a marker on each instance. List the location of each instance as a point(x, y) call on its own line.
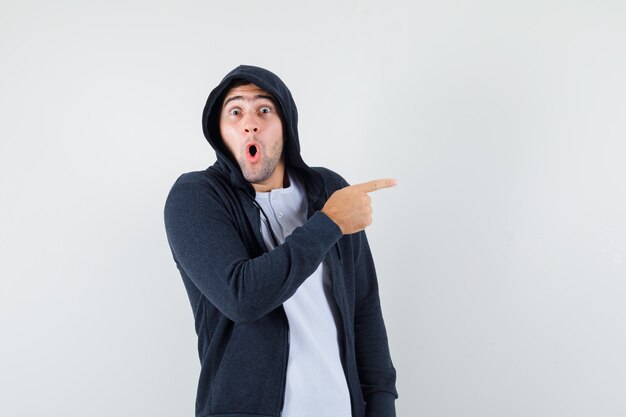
point(351, 207)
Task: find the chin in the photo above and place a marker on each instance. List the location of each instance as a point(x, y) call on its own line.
point(256, 177)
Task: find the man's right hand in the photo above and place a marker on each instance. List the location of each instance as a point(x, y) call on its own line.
point(351, 207)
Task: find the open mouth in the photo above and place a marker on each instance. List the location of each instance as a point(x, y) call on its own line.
point(252, 153)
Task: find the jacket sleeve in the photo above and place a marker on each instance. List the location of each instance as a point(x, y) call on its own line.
point(207, 247)
point(376, 371)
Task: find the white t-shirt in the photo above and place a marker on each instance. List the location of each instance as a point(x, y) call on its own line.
point(316, 384)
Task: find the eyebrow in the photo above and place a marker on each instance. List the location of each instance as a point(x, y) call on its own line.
point(270, 98)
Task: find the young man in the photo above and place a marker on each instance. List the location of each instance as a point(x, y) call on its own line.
point(277, 267)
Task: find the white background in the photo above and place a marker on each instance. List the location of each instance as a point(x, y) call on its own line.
point(501, 253)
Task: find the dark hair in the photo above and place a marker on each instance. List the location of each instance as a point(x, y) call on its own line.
point(238, 82)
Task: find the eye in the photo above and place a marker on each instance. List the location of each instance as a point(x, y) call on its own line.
point(235, 112)
point(265, 109)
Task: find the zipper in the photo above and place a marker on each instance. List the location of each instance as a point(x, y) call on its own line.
point(339, 254)
point(343, 346)
point(285, 362)
point(261, 212)
point(267, 222)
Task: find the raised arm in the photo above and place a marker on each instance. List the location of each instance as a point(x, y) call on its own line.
point(207, 246)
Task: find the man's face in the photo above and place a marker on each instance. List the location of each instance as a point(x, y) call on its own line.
point(252, 130)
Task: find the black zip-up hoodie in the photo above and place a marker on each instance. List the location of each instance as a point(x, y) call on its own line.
point(237, 287)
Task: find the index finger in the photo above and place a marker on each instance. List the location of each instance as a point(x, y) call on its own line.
point(375, 185)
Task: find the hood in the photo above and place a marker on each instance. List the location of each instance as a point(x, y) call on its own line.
point(273, 85)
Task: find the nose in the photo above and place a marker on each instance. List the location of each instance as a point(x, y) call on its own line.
point(250, 125)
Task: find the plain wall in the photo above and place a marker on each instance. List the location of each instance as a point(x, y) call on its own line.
point(501, 254)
